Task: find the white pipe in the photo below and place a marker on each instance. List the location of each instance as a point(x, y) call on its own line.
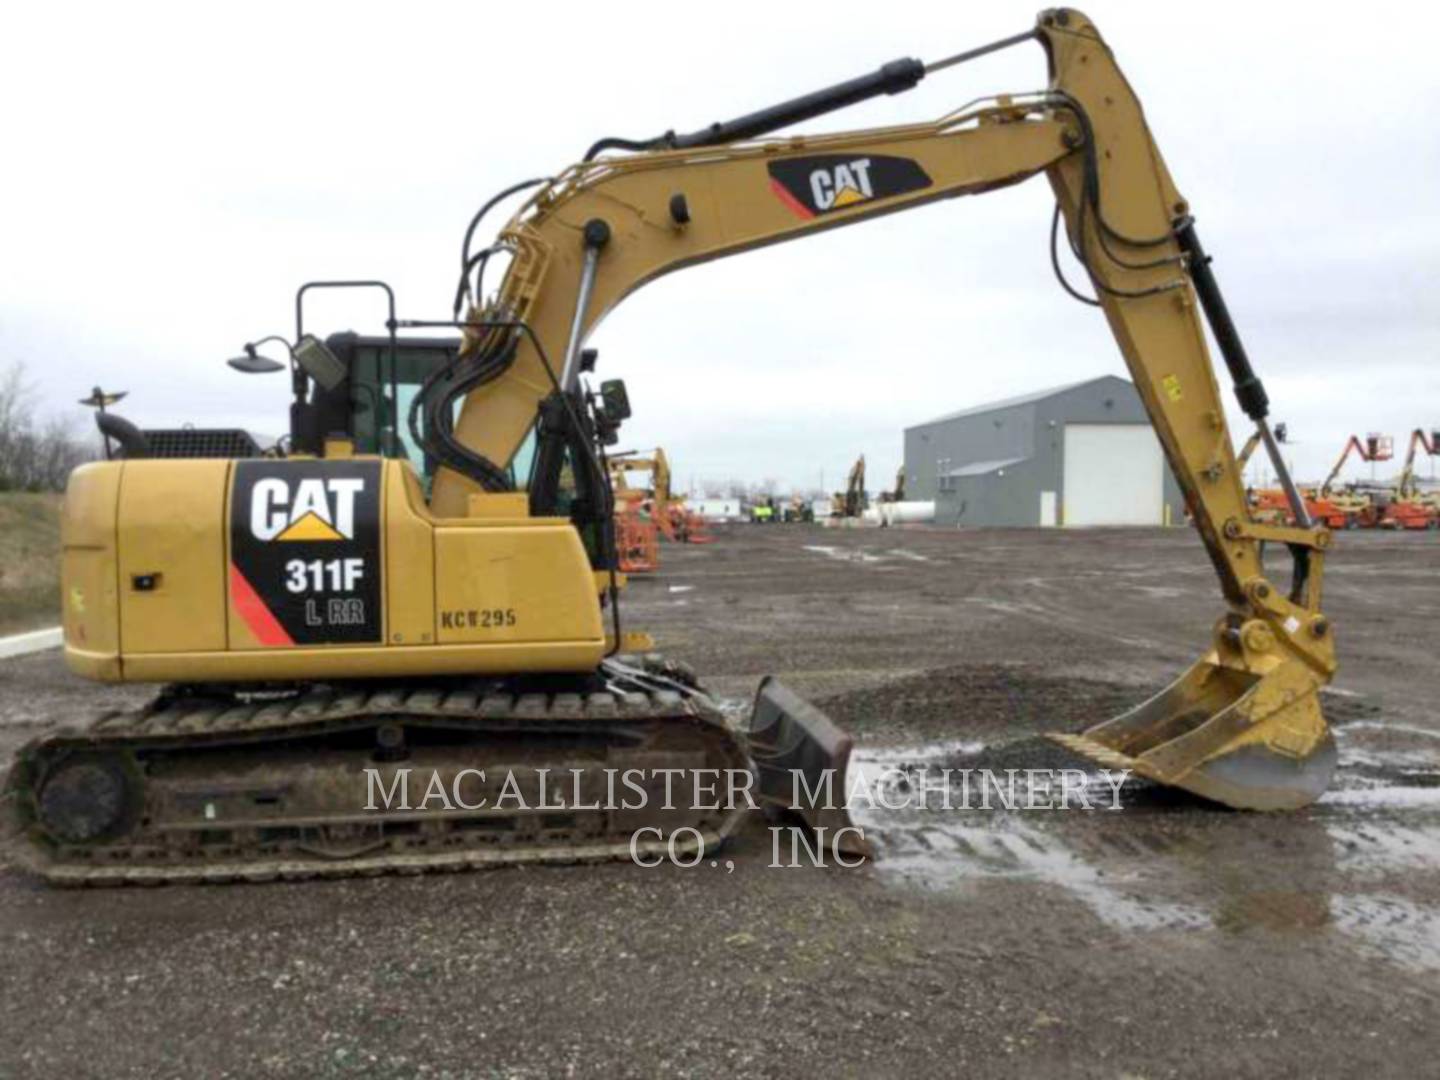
point(900, 513)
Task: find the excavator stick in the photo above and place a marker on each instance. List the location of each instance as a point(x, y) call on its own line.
point(1253, 742)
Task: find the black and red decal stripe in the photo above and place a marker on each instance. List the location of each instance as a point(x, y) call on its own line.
point(798, 208)
point(253, 612)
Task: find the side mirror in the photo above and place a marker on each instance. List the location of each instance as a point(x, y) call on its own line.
point(614, 401)
point(252, 363)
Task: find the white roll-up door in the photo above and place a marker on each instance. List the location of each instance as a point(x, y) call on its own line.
point(1114, 475)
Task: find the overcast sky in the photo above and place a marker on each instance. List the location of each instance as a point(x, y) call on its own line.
point(173, 172)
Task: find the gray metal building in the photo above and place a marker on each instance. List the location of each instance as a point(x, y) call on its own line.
point(1083, 454)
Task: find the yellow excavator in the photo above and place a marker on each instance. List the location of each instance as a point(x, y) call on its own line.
point(653, 462)
point(1252, 444)
point(851, 502)
point(1262, 507)
point(330, 622)
point(896, 494)
point(668, 511)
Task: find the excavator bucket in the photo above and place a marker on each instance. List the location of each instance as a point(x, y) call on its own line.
point(801, 758)
point(1250, 741)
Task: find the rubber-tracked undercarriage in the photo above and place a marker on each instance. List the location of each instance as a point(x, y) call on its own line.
point(366, 779)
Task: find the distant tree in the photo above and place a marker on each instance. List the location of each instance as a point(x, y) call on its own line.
point(35, 454)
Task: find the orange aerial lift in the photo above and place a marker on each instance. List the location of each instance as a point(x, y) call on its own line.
point(1350, 509)
point(1347, 509)
point(637, 544)
point(674, 520)
point(1409, 507)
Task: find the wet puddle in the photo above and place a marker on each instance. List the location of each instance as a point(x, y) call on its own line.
point(939, 836)
point(859, 555)
point(865, 555)
point(1356, 872)
point(1402, 931)
point(1185, 867)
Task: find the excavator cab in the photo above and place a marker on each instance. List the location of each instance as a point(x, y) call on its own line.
point(361, 404)
point(369, 405)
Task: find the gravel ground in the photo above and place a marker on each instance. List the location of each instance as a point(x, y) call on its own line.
point(1167, 939)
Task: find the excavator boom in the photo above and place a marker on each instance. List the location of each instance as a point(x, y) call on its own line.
point(1244, 725)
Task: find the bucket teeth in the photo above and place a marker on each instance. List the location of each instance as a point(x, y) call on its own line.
point(1094, 751)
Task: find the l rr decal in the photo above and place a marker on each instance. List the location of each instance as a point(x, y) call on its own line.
point(824, 183)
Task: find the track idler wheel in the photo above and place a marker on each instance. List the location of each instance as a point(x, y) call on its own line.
point(88, 798)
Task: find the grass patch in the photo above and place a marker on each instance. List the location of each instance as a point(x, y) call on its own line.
point(29, 561)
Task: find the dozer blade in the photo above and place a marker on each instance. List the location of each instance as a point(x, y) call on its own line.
point(801, 758)
point(1253, 742)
